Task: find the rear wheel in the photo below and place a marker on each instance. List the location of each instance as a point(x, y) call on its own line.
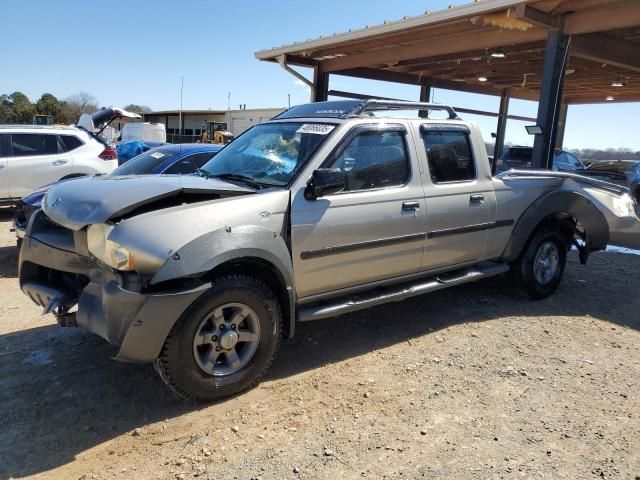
point(225, 342)
point(540, 267)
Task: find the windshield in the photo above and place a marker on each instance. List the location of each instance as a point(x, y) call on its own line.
point(269, 154)
point(144, 163)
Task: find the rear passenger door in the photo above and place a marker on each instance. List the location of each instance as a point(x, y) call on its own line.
point(460, 197)
point(35, 159)
point(371, 231)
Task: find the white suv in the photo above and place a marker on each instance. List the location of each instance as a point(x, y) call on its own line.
point(32, 156)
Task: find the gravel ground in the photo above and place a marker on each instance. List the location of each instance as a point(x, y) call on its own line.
point(473, 382)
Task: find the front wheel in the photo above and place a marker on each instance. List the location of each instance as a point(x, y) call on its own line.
point(540, 267)
point(225, 341)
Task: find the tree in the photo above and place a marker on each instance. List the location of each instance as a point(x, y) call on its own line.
point(22, 110)
point(5, 109)
point(49, 105)
point(77, 104)
point(132, 107)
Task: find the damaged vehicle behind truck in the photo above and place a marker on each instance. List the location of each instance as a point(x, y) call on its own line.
point(326, 209)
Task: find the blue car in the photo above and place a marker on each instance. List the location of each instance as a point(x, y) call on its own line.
point(176, 159)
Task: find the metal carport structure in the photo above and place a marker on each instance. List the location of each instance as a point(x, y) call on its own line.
point(556, 52)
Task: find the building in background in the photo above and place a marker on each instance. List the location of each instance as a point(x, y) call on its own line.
point(195, 122)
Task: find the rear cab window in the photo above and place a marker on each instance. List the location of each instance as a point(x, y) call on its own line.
point(449, 154)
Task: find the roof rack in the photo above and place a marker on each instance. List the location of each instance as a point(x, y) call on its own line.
point(354, 108)
point(375, 105)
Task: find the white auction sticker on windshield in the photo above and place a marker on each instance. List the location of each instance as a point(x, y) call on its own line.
point(157, 155)
point(316, 128)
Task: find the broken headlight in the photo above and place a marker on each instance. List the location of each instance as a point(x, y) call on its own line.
point(107, 251)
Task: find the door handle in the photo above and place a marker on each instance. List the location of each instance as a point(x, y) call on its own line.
point(59, 162)
point(410, 206)
point(479, 198)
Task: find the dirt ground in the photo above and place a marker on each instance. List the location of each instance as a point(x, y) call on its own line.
point(474, 382)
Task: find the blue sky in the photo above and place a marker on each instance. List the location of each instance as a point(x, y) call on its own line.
point(136, 52)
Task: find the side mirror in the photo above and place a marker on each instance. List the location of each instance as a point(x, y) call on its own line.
point(324, 181)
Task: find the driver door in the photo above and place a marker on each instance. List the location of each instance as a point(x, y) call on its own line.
point(374, 229)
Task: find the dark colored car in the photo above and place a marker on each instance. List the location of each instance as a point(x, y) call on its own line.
point(183, 159)
point(622, 172)
point(519, 158)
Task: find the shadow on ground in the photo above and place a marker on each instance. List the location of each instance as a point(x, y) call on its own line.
point(90, 399)
point(9, 261)
point(8, 254)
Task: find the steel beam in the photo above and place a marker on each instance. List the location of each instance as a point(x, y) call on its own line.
point(425, 96)
point(555, 61)
point(320, 91)
point(502, 128)
point(562, 122)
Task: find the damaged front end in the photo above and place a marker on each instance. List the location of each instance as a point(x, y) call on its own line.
point(72, 256)
point(57, 273)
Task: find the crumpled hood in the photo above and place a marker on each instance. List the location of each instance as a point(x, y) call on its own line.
point(97, 199)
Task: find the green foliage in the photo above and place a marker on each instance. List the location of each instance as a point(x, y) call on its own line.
point(49, 105)
point(5, 109)
point(21, 108)
point(140, 109)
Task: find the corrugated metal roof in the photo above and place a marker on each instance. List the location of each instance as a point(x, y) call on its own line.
point(428, 18)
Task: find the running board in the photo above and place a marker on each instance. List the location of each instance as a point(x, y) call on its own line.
point(340, 306)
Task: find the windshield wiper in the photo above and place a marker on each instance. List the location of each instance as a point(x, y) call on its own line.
point(237, 177)
point(203, 173)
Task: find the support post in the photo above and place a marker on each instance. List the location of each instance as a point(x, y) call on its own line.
point(562, 122)
point(425, 95)
point(320, 90)
point(555, 61)
point(501, 129)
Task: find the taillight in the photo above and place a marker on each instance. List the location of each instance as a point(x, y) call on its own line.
point(108, 154)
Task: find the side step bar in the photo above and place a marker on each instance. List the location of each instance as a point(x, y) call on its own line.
point(349, 304)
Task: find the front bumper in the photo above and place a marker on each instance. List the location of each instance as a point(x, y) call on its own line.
point(17, 229)
point(21, 217)
point(52, 273)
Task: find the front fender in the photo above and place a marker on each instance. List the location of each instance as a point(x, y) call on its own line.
point(573, 203)
point(214, 248)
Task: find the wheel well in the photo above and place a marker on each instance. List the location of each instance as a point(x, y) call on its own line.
point(564, 223)
point(635, 193)
point(268, 273)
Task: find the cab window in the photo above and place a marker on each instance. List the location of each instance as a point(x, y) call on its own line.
point(374, 160)
point(449, 155)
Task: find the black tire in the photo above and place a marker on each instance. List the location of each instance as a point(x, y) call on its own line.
point(177, 363)
point(523, 268)
point(19, 243)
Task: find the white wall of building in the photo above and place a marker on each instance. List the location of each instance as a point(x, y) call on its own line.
point(237, 120)
point(240, 120)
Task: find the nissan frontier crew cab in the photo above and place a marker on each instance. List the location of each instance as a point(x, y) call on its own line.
point(326, 209)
